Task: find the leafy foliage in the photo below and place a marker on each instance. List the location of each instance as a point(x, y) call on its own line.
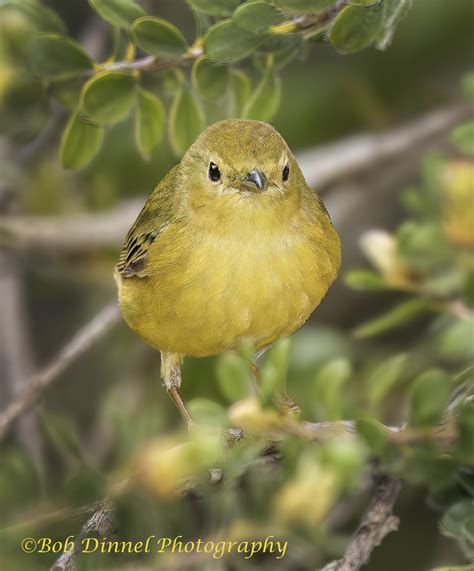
point(267, 35)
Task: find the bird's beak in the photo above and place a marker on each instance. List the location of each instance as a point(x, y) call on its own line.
point(254, 181)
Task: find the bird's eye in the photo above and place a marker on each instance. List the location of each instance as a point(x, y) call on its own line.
point(286, 173)
point(214, 172)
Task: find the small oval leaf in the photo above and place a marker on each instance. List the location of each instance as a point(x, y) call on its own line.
point(356, 28)
point(233, 376)
point(257, 16)
point(399, 315)
point(303, 6)
point(108, 96)
point(463, 138)
point(80, 142)
point(149, 122)
point(227, 42)
point(240, 91)
point(429, 397)
point(158, 37)
point(42, 18)
point(384, 378)
point(210, 79)
point(57, 57)
point(364, 280)
point(186, 120)
point(119, 13)
point(264, 101)
point(214, 7)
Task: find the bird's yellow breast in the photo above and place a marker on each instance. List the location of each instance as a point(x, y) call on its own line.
point(211, 288)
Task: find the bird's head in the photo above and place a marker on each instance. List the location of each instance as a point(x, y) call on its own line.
point(243, 165)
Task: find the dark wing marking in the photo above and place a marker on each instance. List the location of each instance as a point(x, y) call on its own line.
point(153, 218)
point(132, 260)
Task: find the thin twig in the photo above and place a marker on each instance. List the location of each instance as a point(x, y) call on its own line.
point(376, 524)
point(102, 522)
point(446, 433)
point(43, 380)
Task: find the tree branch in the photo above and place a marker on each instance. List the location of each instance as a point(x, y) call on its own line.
point(102, 522)
point(376, 524)
point(44, 379)
point(323, 167)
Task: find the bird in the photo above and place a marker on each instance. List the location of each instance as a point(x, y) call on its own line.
point(232, 246)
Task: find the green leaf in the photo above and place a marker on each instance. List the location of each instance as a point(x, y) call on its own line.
point(399, 315)
point(457, 341)
point(257, 16)
point(171, 81)
point(57, 57)
point(186, 120)
point(233, 377)
point(463, 138)
point(240, 92)
point(205, 412)
point(423, 245)
point(328, 384)
point(149, 122)
point(214, 7)
point(373, 433)
point(365, 280)
point(393, 12)
point(265, 100)
point(159, 38)
point(356, 28)
point(274, 371)
point(303, 6)
point(455, 519)
point(429, 397)
point(108, 96)
point(210, 79)
point(279, 50)
point(41, 17)
point(80, 143)
point(119, 13)
point(384, 378)
point(347, 457)
point(68, 92)
point(465, 417)
point(468, 85)
point(63, 434)
point(227, 42)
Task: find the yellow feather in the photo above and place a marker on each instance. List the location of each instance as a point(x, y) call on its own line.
point(227, 263)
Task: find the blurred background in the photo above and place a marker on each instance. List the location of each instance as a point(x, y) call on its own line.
point(109, 401)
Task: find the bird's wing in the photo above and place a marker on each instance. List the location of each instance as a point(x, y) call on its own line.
point(152, 220)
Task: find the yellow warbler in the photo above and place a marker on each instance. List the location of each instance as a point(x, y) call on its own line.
point(232, 245)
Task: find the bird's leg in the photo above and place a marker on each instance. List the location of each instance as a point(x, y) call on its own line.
point(254, 378)
point(171, 375)
point(283, 401)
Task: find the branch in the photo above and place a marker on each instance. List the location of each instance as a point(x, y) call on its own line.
point(445, 433)
point(44, 379)
point(376, 524)
point(326, 165)
point(323, 167)
point(153, 63)
point(102, 522)
point(16, 358)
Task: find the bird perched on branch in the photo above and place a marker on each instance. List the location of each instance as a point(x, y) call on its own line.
point(232, 245)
